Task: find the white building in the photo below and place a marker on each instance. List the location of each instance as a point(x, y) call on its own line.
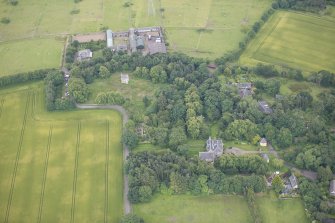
point(124, 78)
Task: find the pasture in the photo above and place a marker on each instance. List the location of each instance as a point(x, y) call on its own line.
point(60, 166)
point(273, 210)
point(198, 28)
point(209, 28)
point(30, 54)
point(296, 40)
point(219, 208)
point(195, 209)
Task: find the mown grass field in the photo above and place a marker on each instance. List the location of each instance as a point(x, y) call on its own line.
point(273, 210)
point(29, 55)
point(195, 209)
point(135, 90)
point(58, 167)
point(300, 41)
point(209, 28)
point(219, 208)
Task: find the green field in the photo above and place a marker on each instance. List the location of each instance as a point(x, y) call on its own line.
point(219, 208)
point(195, 209)
point(209, 28)
point(60, 166)
point(273, 210)
point(37, 21)
point(296, 40)
point(30, 55)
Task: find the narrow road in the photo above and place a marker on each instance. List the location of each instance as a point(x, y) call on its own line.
point(125, 118)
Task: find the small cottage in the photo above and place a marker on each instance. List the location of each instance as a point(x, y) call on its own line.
point(263, 142)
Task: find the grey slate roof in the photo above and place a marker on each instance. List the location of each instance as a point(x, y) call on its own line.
point(265, 157)
point(293, 180)
point(214, 148)
point(244, 85)
point(332, 187)
point(84, 54)
point(207, 156)
point(264, 107)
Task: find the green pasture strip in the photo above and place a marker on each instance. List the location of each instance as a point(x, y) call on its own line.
point(274, 210)
point(29, 55)
point(195, 209)
point(301, 41)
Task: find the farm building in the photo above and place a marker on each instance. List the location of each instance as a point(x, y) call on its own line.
point(124, 78)
point(263, 142)
point(109, 35)
point(264, 107)
point(139, 42)
point(84, 55)
point(214, 148)
point(132, 40)
point(332, 188)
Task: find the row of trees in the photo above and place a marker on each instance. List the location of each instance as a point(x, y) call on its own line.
point(54, 82)
point(24, 77)
point(110, 97)
point(172, 174)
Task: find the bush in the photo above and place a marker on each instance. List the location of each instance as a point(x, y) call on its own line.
point(5, 20)
point(13, 2)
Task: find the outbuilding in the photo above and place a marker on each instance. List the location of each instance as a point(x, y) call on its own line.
point(109, 34)
point(124, 78)
point(263, 142)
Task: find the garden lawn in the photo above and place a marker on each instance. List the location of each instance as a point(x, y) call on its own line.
point(194, 209)
point(59, 166)
point(135, 90)
point(273, 210)
point(297, 40)
point(30, 55)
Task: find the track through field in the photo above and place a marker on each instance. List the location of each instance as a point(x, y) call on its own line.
point(2, 101)
point(106, 172)
point(40, 209)
point(17, 158)
point(75, 174)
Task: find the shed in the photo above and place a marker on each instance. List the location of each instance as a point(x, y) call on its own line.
point(109, 35)
point(124, 78)
point(332, 188)
point(263, 142)
point(139, 42)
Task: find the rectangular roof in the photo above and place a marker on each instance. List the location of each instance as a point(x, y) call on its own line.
point(109, 34)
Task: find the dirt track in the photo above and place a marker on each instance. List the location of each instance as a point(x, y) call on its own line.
point(125, 118)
